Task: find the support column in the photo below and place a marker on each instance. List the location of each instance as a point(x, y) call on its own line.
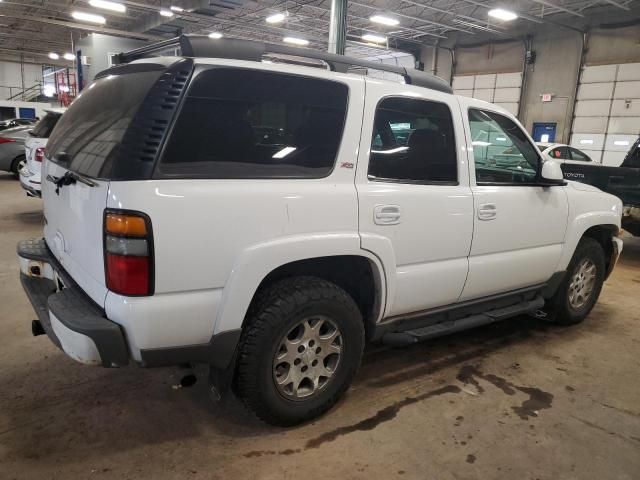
point(338, 27)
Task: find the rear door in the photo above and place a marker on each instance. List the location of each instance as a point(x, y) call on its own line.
point(415, 205)
point(83, 143)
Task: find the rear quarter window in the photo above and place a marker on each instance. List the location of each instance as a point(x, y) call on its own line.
point(45, 126)
point(242, 123)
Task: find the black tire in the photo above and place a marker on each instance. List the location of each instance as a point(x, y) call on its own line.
point(277, 310)
point(561, 309)
point(15, 165)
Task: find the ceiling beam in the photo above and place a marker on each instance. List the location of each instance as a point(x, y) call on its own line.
point(559, 7)
point(619, 5)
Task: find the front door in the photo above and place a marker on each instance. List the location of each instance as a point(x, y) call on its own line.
point(519, 227)
point(415, 205)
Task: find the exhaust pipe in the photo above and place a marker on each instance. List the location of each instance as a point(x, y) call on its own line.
point(37, 328)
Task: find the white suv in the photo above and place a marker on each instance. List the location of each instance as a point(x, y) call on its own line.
point(269, 219)
point(34, 150)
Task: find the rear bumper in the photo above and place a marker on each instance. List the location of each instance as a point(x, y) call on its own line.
point(72, 320)
point(30, 183)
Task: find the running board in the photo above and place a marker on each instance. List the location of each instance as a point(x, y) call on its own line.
point(452, 326)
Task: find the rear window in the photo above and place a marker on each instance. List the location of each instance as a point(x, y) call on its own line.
point(96, 121)
point(241, 123)
point(44, 127)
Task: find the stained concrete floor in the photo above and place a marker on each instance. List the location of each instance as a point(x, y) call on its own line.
point(518, 400)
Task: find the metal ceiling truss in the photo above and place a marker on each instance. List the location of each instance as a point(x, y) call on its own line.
point(37, 26)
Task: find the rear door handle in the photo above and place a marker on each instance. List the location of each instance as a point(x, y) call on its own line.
point(387, 214)
point(487, 211)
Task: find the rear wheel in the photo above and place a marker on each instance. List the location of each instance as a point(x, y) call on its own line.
point(299, 351)
point(17, 165)
point(582, 284)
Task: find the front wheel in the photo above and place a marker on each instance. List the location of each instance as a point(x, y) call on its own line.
point(299, 351)
point(582, 284)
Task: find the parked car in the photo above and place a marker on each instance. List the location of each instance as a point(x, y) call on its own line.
point(17, 122)
point(12, 157)
point(168, 243)
point(34, 148)
point(622, 181)
point(562, 153)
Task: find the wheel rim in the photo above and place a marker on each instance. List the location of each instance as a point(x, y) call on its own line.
point(307, 358)
point(20, 165)
point(582, 283)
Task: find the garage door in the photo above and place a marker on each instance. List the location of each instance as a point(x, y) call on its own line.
point(607, 114)
point(500, 88)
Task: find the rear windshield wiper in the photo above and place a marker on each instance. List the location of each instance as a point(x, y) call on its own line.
point(69, 178)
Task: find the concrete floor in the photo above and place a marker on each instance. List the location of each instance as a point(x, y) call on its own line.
point(517, 400)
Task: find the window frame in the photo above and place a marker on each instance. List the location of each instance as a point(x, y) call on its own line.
point(371, 178)
point(201, 68)
point(538, 181)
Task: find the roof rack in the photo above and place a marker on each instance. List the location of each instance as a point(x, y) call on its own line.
point(234, 48)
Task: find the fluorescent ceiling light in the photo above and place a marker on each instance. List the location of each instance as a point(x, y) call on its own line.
point(622, 143)
point(370, 37)
point(384, 20)
point(586, 141)
point(166, 13)
point(480, 143)
point(69, 56)
point(284, 152)
point(501, 139)
point(177, 9)
point(89, 17)
point(296, 41)
point(106, 5)
point(502, 14)
point(215, 35)
point(54, 56)
point(276, 18)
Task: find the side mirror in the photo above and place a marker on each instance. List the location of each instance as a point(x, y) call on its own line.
point(551, 173)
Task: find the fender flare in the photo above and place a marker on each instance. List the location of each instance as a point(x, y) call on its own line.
point(257, 261)
point(577, 229)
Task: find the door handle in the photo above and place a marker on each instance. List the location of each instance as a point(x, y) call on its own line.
point(487, 211)
point(387, 214)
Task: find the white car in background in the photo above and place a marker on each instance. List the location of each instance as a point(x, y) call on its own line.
point(34, 148)
point(562, 153)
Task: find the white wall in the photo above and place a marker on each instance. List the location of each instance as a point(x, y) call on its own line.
point(11, 76)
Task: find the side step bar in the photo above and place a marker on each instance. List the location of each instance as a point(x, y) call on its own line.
point(452, 326)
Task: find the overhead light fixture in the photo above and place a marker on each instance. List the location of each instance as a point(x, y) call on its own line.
point(586, 141)
point(69, 56)
point(215, 35)
point(502, 14)
point(89, 17)
point(106, 5)
point(166, 13)
point(384, 20)
point(370, 37)
point(284, 152)
point(296, 41)
point(54, 56)
point(177, 9)
point(276, 18)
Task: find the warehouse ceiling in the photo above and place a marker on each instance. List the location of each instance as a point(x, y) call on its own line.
point(38, 27)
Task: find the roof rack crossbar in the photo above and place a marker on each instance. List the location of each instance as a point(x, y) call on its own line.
point(233, 48)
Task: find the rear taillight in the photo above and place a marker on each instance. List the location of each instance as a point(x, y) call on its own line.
point(6, 140)
point(128, 252)
point(39, 155)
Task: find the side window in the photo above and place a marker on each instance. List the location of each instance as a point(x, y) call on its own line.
point(501, 150)
point(413, 142)
point(560, 153)
point(242, 123)
point(578, 155)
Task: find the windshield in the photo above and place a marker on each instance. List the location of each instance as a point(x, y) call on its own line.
point(97, 120)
